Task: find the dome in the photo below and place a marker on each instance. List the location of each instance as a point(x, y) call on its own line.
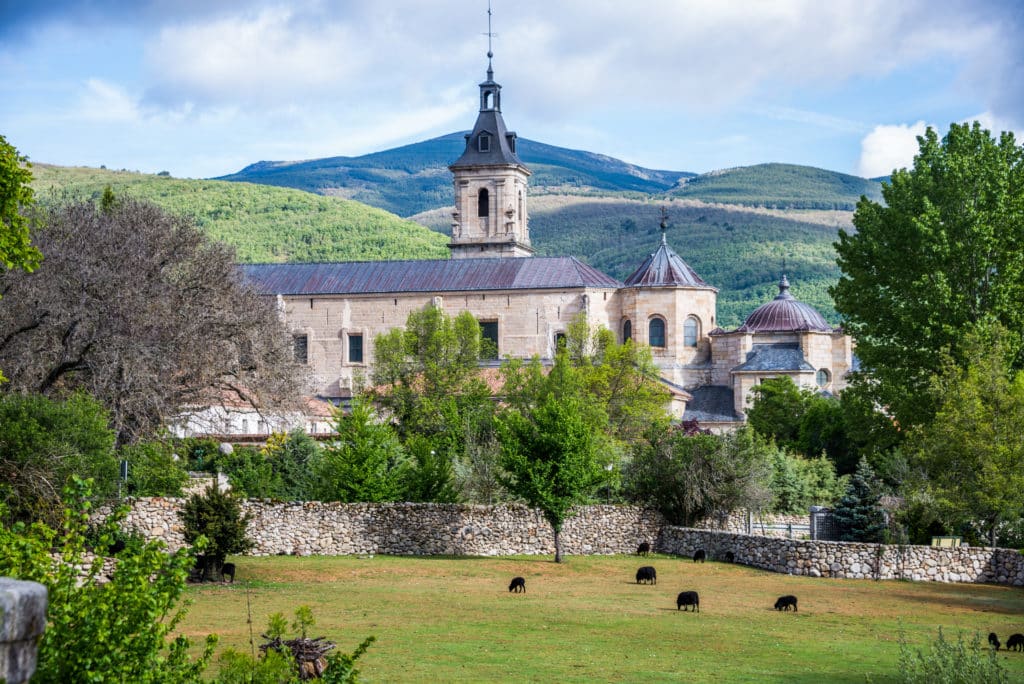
point(665, 268)
point(784, 314)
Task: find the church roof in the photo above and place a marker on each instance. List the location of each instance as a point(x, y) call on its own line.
point(433, 275)
point(665, 268)
point(500, 148)
point(711, 404)
point(784, 314)
point(775, 357)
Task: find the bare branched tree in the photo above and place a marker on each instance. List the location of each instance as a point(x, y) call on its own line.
point(138, 308)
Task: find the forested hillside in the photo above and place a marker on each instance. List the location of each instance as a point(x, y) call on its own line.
point(263, 223)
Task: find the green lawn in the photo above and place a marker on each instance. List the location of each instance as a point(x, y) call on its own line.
point(452, 619)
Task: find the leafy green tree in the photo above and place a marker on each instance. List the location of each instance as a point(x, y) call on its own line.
point(154, 469)
point(858, 515)
point(104, 631)
point(427, 476)
point(777, 409)
point(291, 457)
point(552, 451)
point(971, 453)
point(249, 473)
point(216, 517)
point(690, 476)
point(44, 443)
point(798, 483)
point(16, 250)
point(939, 256)
point(363, 463)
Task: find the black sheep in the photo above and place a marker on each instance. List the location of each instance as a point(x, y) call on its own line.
point(729, 557)
point(518, 585)
point(700, 556)
point(786, 602)
point(1015, 642)
point(643, 549)
point(686, 599)
point(228, 570)
point(646, 574)
point(993, 640)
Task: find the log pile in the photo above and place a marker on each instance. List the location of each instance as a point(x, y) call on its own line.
point(310, 655)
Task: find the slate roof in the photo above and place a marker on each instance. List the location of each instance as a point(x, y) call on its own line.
point(784, 314)
point(433, 275)
point(665, 268)
point(489, 121)
point(775, 357)
point(711, 404)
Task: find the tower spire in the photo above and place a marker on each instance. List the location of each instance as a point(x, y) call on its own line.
point(490, 34)
point(664, 225)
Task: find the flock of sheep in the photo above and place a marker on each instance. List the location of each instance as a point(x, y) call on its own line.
point(1014, 643)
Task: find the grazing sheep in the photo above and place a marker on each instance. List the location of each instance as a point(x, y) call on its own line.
point(786, 602)
point(686, 599)
point(993, 640)
point(646, 574)
point(1015, 642)
point(228, 570)
point(700, 555)
point(518, 584)
point(643, 549)
point(729, 557)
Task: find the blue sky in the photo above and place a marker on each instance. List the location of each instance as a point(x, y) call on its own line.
point(201, 88)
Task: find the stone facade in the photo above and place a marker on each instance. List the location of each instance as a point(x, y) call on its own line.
point(316, 528)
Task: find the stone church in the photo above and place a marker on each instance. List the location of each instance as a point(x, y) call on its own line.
point(524, 303)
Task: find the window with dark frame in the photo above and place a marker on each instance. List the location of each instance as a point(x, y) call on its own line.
point(355, 348)
point(627, 331)
point(489, 340)
point(656, 332)
point(483, 207)
point(484, 143)
point(691, 330)
point(300, 348)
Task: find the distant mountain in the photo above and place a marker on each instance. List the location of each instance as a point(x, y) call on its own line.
point(414, 178)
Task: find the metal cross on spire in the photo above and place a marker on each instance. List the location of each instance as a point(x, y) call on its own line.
point(490, 34)
point(664, 224)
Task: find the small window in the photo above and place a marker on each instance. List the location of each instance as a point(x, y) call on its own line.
point(355, 348)
point(656, 332)
point(483, 205)
point(627, 332)
point(484, 143)
point(300, 348)
point(823, 378)
point(488, 339)
point(691, 331)
point(561, 341)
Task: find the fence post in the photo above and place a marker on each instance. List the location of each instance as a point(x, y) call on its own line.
point(22, 621)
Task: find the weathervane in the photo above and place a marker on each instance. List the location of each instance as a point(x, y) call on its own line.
point(490, 34)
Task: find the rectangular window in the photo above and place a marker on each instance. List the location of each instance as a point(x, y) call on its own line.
point(489, 339)
point(355, 348)
point(300, 348)
point(485, 143)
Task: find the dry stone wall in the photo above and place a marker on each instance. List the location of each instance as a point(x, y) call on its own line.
point(851, 559)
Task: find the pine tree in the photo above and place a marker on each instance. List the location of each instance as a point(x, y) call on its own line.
point(858, 515)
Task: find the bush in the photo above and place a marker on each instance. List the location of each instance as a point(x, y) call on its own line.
point(117, 631)
point(153, 469)
point(950, 663)
point(215, 517)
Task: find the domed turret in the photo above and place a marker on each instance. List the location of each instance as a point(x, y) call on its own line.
point(784, 314)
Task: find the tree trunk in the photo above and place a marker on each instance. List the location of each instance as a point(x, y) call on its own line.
point(558, 544)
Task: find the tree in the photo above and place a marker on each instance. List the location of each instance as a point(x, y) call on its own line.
point(139, 309)
point(858, 515)
point(940, 256)
point(44, 444)
point(362, 464)
point(777, 409)
point(104, 629)
point(215, 516)
point(16, 250)
point(691, 476)
point(154, 469)
point(291, 457)
point(551, 451)
point(971, 455)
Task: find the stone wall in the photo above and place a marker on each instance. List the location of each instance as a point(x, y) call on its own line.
point(851, 559)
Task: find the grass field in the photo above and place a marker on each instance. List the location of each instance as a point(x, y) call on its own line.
point(452, 619)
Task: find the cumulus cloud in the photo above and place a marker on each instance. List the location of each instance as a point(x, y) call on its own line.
point(887, 148)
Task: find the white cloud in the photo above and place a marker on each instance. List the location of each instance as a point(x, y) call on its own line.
point(889, 147)
point(106, 102)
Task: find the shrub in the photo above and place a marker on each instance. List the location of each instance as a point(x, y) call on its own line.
point(153, 469)
point(117, 631)
point(945, 662)
point(215, 517)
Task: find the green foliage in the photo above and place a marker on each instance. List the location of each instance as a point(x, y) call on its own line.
point(114, 631)
point(154, 469)
point(271, 667)
point(777, 409)
point(291, 458)
point(250, 474)
point(262, 223)
point(363, 462)
point(945, 662)
point(427, 475)
point(858, 516)
point(798, 483)
point(971, 455)
point(16, 195)
point(940, 257)
point(215, 517)
point(552, 451)
point(689, 478)
point(44, 443)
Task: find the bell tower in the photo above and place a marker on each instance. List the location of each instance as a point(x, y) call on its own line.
point(490, 218)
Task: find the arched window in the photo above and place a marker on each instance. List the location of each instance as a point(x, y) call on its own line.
point(627, 331)
point(483, 206)
point(656, 332)
point(691, 331)
point(823, 377)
